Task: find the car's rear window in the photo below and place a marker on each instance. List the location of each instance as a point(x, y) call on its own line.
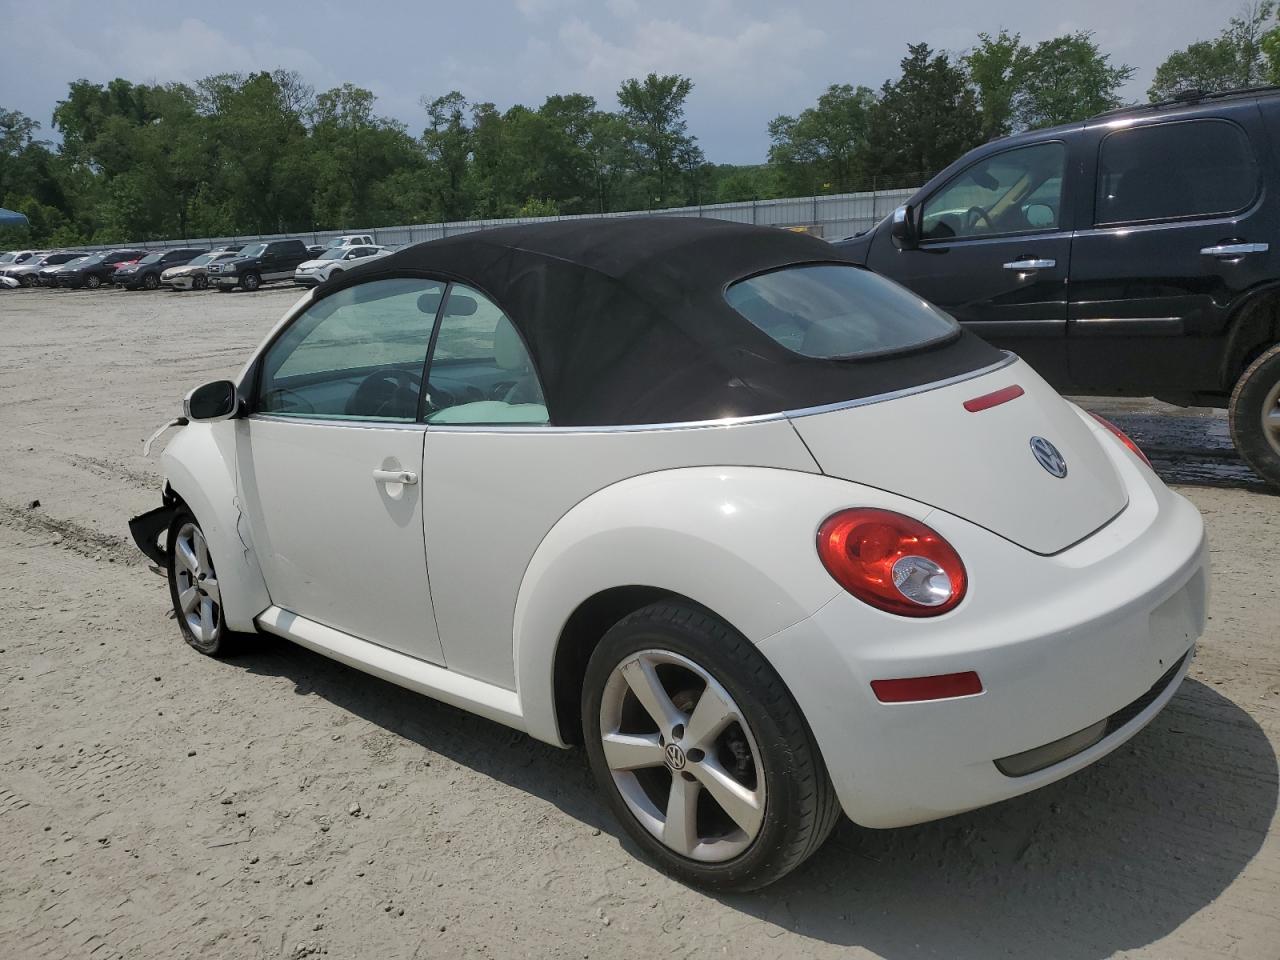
point(835, 311)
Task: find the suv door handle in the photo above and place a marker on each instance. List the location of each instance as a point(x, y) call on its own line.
point(395, 476)
point(1030, 264)
point(1234, 249)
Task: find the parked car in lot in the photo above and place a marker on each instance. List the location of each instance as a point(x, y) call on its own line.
point(194, 275)
point(346, 240)
point(26, 273)
point(16, 258)
point(48, 276)
point(259, 263)
point(1135, 253)
point(145, 273)
point(97, 269)
point(770, 534)
point(333, 262)
point(8, 283)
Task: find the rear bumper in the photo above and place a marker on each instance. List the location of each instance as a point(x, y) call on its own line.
point(1101, 634)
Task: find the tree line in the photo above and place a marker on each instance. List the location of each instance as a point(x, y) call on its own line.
point(242, 154)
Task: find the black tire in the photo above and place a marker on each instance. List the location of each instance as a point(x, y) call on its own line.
point(200, 283)
point(223, 642)
point(1256, 396)
point(251, 281)
point(150, 281)
point(800, 807)
point(26, 281)
point(93, 281)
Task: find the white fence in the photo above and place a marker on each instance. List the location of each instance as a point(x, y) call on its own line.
point(832, 217)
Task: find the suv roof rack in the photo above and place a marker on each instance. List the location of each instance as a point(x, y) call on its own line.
point(1192, 95)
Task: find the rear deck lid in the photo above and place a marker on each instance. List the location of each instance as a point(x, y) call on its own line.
point(995, 465)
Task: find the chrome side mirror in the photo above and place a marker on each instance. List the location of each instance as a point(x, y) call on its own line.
point(903, 228)
point(218, 400)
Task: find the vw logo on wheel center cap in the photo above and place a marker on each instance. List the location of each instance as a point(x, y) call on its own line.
point(1049, 457)
point(675, 756)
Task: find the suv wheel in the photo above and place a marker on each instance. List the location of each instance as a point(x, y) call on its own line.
point(26, 281)
point(93, 281)
point(150, 281)
point(200, 282)
point(701, 751)
point(251, 281)
point(1255, 415)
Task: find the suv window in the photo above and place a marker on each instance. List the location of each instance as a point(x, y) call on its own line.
point(1166, 171)
point(480, 371)
point(358, 354)
point(1010, 192)
point(837, 311)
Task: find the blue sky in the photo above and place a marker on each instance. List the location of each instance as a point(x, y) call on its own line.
point(749, 59)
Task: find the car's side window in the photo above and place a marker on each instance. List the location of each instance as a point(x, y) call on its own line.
point(356, 355)
point(1170, 171)
point(480, 371)
point(1015, 191)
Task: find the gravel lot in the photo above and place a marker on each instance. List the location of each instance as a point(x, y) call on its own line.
point(155, 803)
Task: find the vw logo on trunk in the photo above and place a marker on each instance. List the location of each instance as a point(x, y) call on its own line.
point(1049, 457)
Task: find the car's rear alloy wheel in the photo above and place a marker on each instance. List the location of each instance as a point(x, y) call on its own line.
point(93, 281)
point(701, 750)
point(251, 281)
point(1255, 415)
point(193, 587)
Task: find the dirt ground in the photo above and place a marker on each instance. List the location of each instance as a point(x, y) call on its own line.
point(158, 804)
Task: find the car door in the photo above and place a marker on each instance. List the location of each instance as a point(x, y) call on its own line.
point(994, 250)
point(1177, 231)
point(329, 463)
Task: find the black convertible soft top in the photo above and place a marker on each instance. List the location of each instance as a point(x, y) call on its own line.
point(626, 320)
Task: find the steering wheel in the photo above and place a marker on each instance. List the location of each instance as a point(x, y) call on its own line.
point(973, 214)
point(386, 393)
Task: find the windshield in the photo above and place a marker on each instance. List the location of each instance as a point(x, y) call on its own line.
point(253, 250)
point(151, 258)
point(71, 263)
point(96, 258)
point(334, 253)
point(201, 260)
point(834, 311)
point(8, 258)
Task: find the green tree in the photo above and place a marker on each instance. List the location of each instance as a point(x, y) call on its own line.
point(448, 141)
point(1237, 57)
point(1067, 78)
point(997, 67)
point(653, 108)
point(820, 150)
point(923, 120)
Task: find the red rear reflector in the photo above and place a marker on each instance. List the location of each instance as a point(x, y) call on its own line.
point(989, 400)
point(942, 687)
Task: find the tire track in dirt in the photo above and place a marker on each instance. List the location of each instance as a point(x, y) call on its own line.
point(69, 534)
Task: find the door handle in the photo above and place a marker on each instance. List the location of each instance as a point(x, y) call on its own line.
point(395, 476)
point(1234, 249)
point(1024, 265)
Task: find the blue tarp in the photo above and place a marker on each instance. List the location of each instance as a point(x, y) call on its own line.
point(10, 218)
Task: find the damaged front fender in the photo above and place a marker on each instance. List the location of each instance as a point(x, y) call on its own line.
point(148, 528)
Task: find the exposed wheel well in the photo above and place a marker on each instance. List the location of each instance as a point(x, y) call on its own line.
point(1255, 329)
point(582, 631)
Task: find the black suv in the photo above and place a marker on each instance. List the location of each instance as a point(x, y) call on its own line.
point(1129, 254)
point(98, 269)
point(146, 272)
point(259, 263)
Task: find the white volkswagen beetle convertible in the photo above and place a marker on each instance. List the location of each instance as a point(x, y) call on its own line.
point(769, 534)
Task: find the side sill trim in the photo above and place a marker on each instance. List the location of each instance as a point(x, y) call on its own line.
point(467, 693)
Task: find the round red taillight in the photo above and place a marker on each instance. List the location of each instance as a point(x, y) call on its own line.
point(1124, 437)
point(892, 562)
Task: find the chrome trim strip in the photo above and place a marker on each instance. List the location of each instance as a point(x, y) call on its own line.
point(335, 422)
point(1007, 359)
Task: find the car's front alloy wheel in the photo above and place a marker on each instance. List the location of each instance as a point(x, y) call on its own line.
point(701, 750)
point(151, 281)
point(93, 281)
point(194, 588)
